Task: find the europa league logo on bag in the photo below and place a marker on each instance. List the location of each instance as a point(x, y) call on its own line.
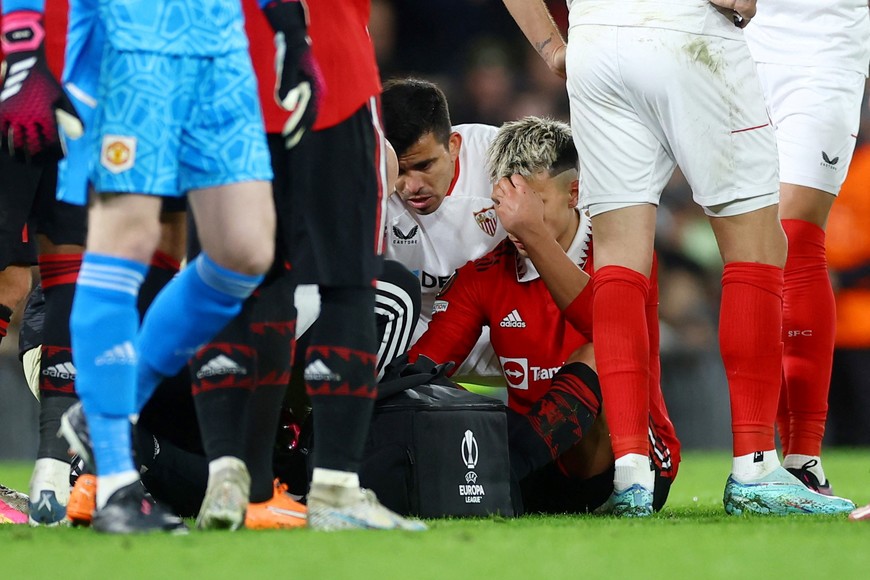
point(471, 491)
point(469, 450)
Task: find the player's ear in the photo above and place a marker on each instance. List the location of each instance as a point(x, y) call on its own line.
point(454, 144)
point(392, 167)
point(575, 193)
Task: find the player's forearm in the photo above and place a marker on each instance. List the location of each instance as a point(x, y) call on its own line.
point(536, 22)
point(16, 5)
point(450, 336)
point(563, 278)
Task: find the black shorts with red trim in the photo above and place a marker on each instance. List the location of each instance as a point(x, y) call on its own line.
point(328, 198)
point(27, 196)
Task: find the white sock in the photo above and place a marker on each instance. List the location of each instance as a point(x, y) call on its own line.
point(631, 469)
point(53, 475)
point(334, 477)
point(754, 466)
point(813, 463)
point(109, 484)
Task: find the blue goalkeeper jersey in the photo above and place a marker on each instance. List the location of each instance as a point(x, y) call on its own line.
point(176, 27)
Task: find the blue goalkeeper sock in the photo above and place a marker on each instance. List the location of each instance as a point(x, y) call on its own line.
point(104, 322)
point(186, 314)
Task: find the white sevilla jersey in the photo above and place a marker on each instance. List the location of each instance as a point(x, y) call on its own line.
point(823, 33)
point(463, 228)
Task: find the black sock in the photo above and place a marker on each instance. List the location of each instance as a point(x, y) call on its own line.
point(273, 326)
point(56, 371)
point(223, 375)
point(340, 376)
point(556, 422)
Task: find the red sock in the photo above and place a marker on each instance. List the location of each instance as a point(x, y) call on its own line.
point(809, 325)
point(666, 456)
point(59, 269)
point(750, 339)
point(782, 420)
point(622, 355)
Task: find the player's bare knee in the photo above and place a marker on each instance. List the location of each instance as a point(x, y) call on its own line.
point(584, 354)
point(252, 256)
point(15, 283)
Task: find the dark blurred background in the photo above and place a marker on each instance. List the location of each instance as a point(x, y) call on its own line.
point(490, 74)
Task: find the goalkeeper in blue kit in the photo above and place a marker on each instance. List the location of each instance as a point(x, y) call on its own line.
point(169, 103)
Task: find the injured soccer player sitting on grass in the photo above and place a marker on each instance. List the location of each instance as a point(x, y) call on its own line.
point(533, 292)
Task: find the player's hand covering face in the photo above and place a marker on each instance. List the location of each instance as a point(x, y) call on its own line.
point(32, 102)
point(519, 207)
point(542, 205)
point(300, 84)
point(740, 11)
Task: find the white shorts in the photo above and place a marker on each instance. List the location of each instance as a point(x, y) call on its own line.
point(816, 113)
point(644, 100)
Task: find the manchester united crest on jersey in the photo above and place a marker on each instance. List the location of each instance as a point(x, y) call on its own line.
point(487, 220)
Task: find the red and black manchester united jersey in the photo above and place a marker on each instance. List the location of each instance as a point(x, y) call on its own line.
point(529, 333)
point(531, 337)
point(343, 48)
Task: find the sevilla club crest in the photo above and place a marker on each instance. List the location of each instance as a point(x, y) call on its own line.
point(487, 220)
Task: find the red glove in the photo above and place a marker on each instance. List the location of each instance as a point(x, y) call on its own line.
point(32, 102)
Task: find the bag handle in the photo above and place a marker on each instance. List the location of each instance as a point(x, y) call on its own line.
point(401, 375)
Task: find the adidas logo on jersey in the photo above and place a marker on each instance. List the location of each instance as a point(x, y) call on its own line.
point(220, 365)
point(318, 371)
point(512, 320)
point(120, 354)
point(65, 371)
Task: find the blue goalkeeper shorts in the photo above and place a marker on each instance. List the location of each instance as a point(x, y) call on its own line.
point(169, 124)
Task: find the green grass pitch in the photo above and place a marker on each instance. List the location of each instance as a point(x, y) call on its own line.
point(692, 538)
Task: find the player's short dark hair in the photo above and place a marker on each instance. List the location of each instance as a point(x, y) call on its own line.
point(411, 109)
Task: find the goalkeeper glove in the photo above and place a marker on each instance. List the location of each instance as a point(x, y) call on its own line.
point(32, 102)
point(299, 83)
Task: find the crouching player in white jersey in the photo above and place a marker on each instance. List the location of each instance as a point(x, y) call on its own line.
point(440, 215)
point(812, 59)
point(175, 113)
point(532, 293)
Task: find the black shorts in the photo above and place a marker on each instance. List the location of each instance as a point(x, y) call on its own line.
point(27, 196)
point(549, 491)
point(329, 193)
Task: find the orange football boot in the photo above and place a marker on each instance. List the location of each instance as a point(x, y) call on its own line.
point(82, 500)
point(280, 512)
